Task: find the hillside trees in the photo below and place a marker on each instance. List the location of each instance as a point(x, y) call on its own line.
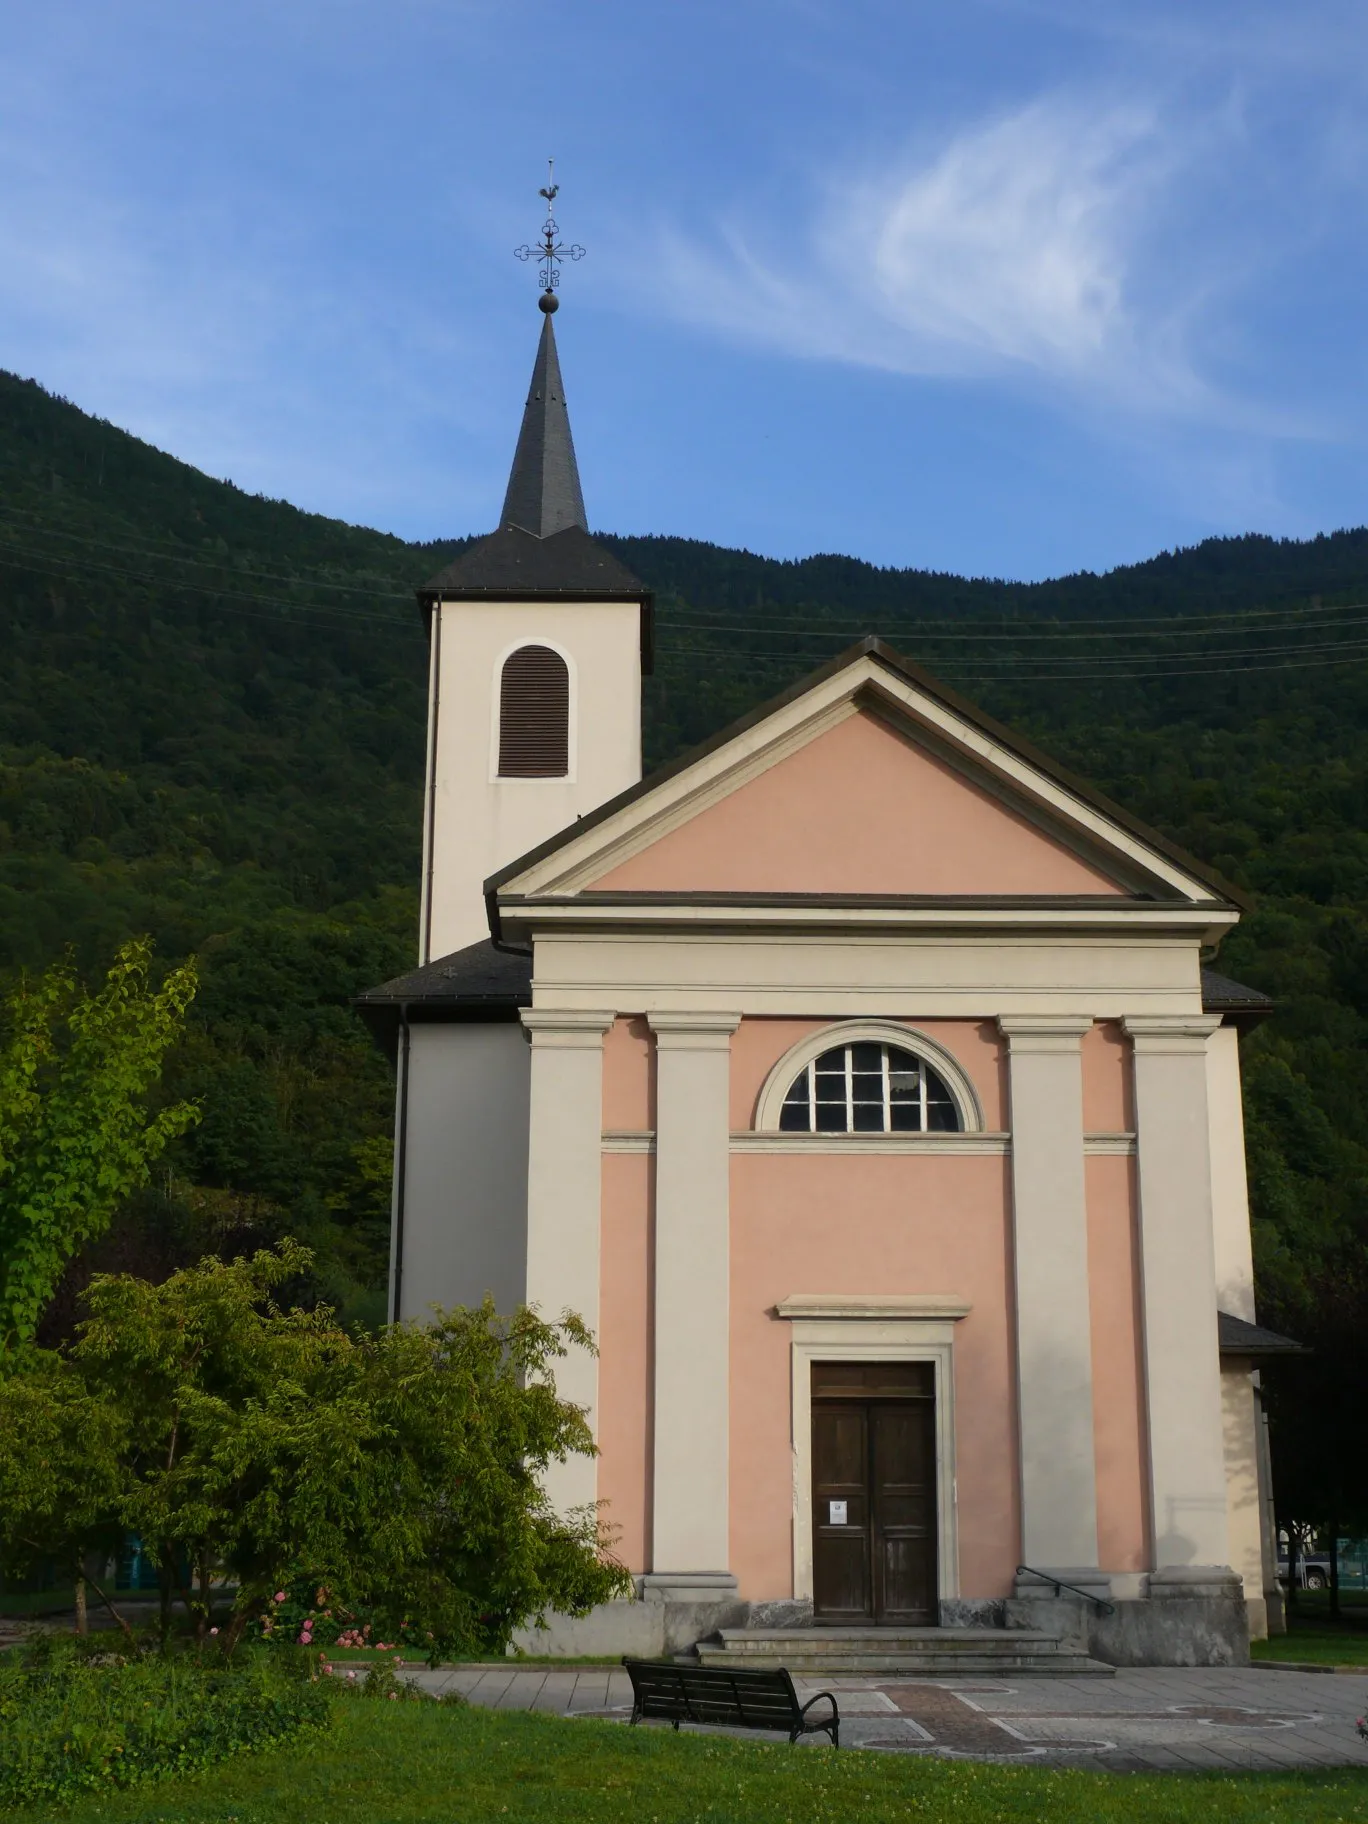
point(76, 1136)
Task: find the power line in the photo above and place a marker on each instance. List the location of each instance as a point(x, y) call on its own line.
point(44, 560)
point(1173, 627)
point(1028, 625)
point(1357, 649)
point(149, 548)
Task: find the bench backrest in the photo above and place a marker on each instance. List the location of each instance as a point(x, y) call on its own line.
point(753, 1699)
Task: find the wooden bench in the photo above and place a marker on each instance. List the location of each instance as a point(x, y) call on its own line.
point(663, 1690)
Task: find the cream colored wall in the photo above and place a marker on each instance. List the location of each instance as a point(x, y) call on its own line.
point(860, 809)
point(1117, 1367)
point(1239, 1413)
point(565, 1211)
point(1178, 1299)
point(476, 822)
point(1053, 1324)
point(1229, 1187)
point(909, 974)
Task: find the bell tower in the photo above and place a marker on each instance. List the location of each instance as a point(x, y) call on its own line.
point(538, 639)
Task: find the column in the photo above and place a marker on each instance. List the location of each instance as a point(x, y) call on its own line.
point(564, 1208)
point(1178, 1289)
point(690, 1524)
point(1053, 1316)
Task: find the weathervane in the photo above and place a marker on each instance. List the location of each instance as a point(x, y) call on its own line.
point(551, 250)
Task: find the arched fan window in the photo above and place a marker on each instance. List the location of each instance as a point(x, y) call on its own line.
point(869, 1089)
point(534, 715)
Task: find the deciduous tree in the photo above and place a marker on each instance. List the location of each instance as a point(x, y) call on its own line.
point(76, 1134)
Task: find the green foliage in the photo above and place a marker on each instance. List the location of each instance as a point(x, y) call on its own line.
point(72, 1722)
point(399, 1470)
point(75, 1135)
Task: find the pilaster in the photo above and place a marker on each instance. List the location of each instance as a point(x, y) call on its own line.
point(1178, 1283)
point(564, 1208)
point(1053, 1315)
point(690, 1526)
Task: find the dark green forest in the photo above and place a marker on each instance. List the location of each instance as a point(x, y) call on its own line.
point(211, 729)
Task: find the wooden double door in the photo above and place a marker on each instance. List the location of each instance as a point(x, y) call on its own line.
point(874, 1493)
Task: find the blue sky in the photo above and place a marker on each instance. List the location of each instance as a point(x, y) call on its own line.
point(1003, 287)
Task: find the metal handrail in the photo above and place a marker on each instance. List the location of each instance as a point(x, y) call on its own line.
point(1107, 1608)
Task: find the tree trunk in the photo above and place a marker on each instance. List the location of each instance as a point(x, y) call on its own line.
point(128, 1632)
point(82, 1618)
point(1334, 1572)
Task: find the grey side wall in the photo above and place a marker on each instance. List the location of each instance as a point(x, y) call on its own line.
point(465, 1167)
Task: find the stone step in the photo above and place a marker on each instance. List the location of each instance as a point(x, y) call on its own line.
point(922, 1665)
point(921, 1651)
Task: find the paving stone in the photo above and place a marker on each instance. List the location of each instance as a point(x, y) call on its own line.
point(1217, 1720)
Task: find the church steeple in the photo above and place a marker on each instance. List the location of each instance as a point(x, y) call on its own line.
point(544, 495)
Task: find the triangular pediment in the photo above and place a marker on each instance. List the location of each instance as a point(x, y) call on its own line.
point(871, 781)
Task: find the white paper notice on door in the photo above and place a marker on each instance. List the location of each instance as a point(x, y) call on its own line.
point(837, 1516)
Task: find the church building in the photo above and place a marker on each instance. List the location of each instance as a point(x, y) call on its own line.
point(859, 1079)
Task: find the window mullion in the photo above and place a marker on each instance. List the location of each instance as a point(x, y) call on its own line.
point(850, 1088)
point(921, 1088)
point(887, 1090)
point(812, 1097)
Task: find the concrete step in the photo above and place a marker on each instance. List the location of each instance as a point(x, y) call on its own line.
point(924, 1652)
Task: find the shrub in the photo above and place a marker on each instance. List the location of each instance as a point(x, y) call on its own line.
point(71, 1721)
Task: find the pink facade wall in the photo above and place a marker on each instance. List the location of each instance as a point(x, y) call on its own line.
point(860, 809)
point(892, 1223)
point(628, 1076)
point(1107, 1080)
point(626, 1297)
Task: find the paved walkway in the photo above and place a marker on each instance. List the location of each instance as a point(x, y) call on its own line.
point(1158, 1719)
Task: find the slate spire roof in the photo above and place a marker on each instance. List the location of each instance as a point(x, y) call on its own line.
point(542, 548)
point(544, 488)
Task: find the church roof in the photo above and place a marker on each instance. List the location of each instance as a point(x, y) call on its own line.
point(478, 984)
point(542, 547)
point(544, 495)
point(1237, 1337)
point(514, 563)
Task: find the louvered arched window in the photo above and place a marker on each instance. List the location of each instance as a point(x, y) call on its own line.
point(534, 715)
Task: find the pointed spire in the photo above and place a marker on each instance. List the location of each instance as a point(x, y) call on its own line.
point(544, 495)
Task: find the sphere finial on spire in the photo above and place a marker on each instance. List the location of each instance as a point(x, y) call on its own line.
point(550, 250)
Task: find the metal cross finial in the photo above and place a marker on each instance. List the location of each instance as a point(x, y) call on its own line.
point(551, 250)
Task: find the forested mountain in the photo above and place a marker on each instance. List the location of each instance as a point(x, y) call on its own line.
point(211, 728)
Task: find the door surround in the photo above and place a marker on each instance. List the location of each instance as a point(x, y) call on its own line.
point(847, 1328)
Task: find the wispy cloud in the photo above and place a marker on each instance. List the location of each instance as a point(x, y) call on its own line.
point(1016, 244)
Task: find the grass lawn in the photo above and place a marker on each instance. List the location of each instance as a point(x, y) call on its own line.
point(1317, 1646)
point(401, 1763)
point(1313, 1638)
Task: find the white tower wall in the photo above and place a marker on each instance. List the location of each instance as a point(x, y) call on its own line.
point(475, 822)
